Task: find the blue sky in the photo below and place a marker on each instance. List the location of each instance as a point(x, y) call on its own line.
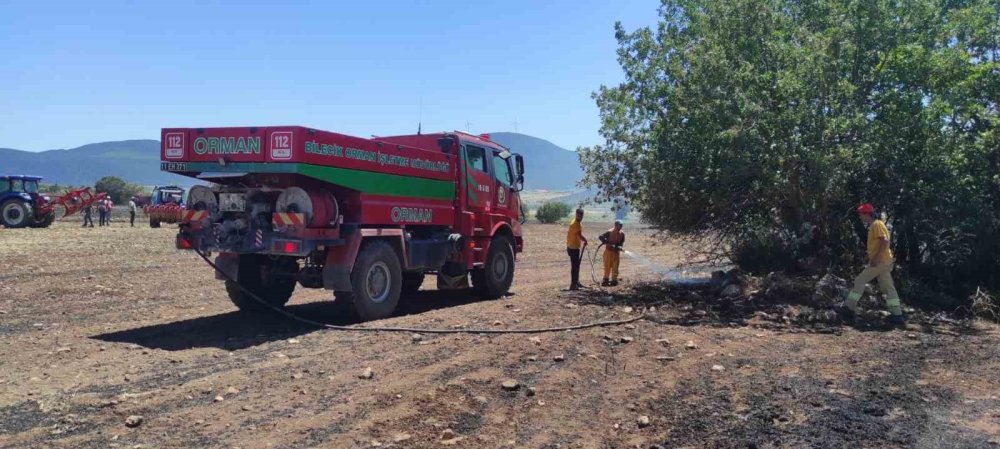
point(90, 71)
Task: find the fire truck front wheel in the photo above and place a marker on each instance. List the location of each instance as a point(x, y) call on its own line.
point(494, 279)
point(376, 282)
point(261, 284)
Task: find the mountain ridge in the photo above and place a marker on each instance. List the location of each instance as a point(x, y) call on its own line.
point(547, 166)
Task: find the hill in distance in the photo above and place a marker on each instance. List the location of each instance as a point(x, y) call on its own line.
point(547, 166)
point(135, 161)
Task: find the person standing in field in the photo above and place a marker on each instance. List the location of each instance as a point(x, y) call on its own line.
point(131, 211)
point(575, 243)
point(88, 215)
point(880, 263)
point(108, 207)
point(102, 212)
point(613, 239)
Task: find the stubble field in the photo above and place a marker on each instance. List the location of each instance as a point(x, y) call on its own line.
point(100, 324)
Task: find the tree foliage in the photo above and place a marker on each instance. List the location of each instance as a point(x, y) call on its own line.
point(764, 122)
point(552, 211)
point(119, 190)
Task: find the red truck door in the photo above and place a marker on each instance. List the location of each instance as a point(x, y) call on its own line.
point(479, 185)
point(504, 197)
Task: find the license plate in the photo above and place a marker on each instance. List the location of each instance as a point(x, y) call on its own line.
point(232, 202)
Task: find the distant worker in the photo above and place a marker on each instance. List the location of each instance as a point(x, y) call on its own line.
point(880, 262)
point(613, 239)
point(102, 212)
point(88, 215)
point(108, 207)
point(131, 211)
point(575, 243)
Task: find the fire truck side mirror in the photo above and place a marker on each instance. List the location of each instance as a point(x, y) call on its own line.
point(519, 167)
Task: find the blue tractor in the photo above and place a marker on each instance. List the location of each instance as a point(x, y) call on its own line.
point(19, 198)
point(22, 205)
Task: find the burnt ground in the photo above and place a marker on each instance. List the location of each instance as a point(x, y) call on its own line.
point(100, 324)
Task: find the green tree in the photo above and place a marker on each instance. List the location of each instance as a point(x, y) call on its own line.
point(763, 122)
point(552, 211)
point(116, 188)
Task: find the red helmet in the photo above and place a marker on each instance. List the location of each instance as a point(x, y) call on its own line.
point(866, 209)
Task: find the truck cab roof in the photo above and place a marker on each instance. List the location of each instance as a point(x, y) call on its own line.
point(20, 178)
point(429, 141)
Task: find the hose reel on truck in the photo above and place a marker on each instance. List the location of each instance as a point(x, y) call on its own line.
point(202, 198)
point(319, 206)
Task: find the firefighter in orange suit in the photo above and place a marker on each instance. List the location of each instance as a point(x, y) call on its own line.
point(613, 239)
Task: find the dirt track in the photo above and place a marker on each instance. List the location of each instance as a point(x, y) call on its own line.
point(100, 324)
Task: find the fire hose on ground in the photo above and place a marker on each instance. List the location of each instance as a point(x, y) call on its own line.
point(318, 324)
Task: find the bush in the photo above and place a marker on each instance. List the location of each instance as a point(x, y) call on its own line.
point(552, 212)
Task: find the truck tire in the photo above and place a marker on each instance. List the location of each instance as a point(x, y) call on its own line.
point(494, 279)
point(412, 282)
point(45, 222)
point(376, 282)
point(255, 274)
point(154, 223)
point(15, 214)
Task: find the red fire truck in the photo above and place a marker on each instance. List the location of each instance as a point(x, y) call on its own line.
point(365, 218)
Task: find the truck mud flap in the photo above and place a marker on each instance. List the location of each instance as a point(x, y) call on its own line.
point(340, 262)
point(337, 278)
point(228, 264)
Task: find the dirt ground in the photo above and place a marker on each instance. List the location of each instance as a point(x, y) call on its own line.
point(97, 325)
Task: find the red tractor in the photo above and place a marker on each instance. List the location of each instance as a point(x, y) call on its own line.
point(365, 218)
point(22, 205)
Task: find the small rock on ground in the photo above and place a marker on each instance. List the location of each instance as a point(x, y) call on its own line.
point(133, 421)
point(401, 437)
point(643, 421)
point(368, 373)
point(447, 434)
point(690, 345)
point(559, 358)
point(510, 385)
point(718, 368)
point(626, 339)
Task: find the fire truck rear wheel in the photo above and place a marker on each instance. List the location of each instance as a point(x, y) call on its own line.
point(257, 275)
point(494, 280)
point(15, 214)
point(376, 280)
